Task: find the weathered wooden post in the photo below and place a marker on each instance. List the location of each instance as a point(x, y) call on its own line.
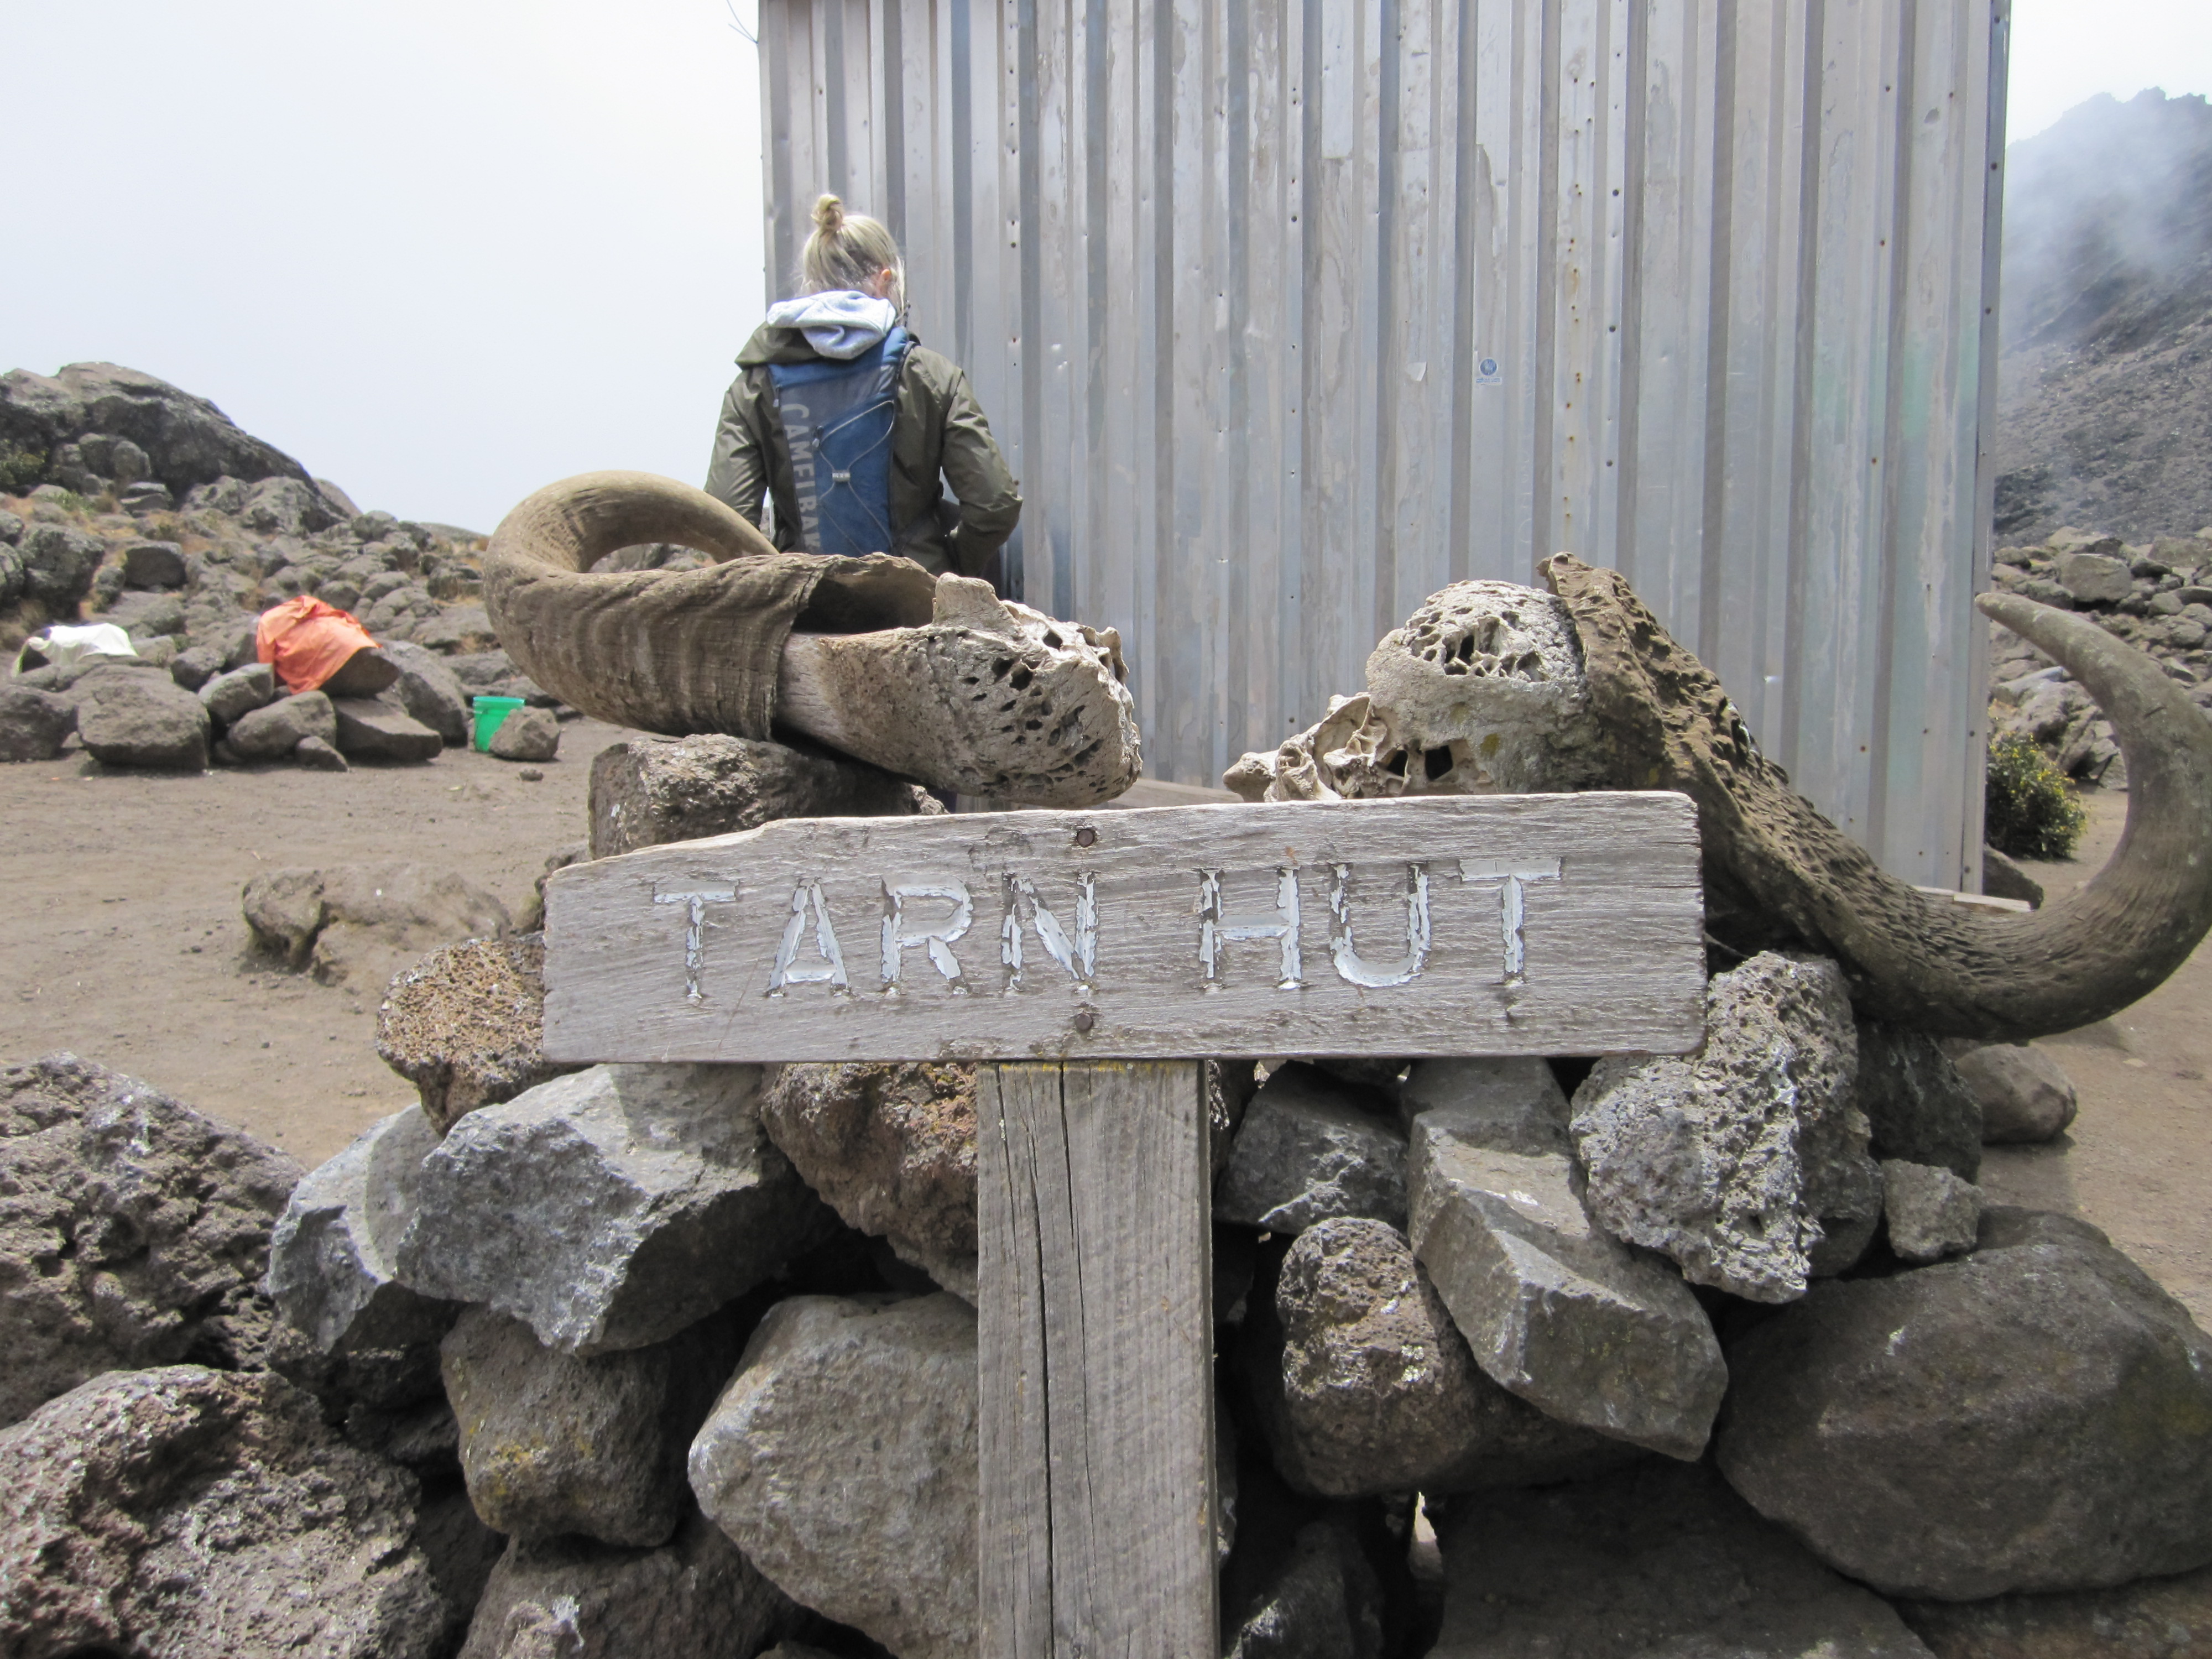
point(1093, 957)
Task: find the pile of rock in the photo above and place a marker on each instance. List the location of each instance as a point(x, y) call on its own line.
point(157, 514)
point(162, 1490)
point(2156, 595)
point(1718, 1352)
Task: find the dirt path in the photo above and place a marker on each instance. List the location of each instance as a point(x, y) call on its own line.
point(2138, 1160)
point(128, 946)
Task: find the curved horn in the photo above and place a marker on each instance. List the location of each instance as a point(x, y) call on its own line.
point(674, 651)
point(1913, 960)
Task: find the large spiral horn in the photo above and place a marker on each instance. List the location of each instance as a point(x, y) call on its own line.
point(672, 652)
point(1912, 959)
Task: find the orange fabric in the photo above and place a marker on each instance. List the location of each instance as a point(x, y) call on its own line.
point(307, 642)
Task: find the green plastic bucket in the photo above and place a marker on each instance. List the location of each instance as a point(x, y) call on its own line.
point(491, 714)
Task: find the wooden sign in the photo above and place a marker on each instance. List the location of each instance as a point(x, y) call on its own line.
point(1465, 924)
point(1102, 952)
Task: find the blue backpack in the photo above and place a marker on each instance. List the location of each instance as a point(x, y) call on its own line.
point(838, 419)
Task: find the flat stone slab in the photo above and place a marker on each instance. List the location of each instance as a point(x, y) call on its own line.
point(612, 1208)
point(331, 1268)
point(843, 1460)
point(1307, 1151)
point(369, 730)
point(1554, 1308)
point(2035, 1416)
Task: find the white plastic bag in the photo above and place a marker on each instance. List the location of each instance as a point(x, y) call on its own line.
point(63, 643)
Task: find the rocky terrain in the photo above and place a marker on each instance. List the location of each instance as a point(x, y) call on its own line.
point(1741, 1351)
point(137, 504)
point(2105, 384)
point(2156, 595)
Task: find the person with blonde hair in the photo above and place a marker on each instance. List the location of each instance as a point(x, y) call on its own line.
point(847, 423)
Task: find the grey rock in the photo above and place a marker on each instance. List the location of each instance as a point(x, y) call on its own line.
point(1322, 1600)
point(11, 575)
point(11, 528)
point(611, 1208)
point(1366, 1386)
point(33, 725)
point(272, 732)
point(647, 792)
point(1916, 1105)
point(1307, 1151)
point(127, 463)
point(1659, 1560)
point(220, 495)
point(58, 565)
point(196, 1513)
point(460, 627)
point(132, 1231)
point(2093, 579)
point(1516, 1105)
point(527, 734)
point(145, 615)
point(364, 922)
point(153, 564)
point(138, 718)
point(1746, 1161)
point(285, 507)
point(1931, 1213)
point(2024, 1096)
point(480, 672)
point(1554, 1309)
point(842, 1461)
point(188, 442)
point(532, 918)
point(428, 692)
point(159, 652)
point(2151, 1618)
point(695, 1598)
point(314, 755)
point(2003, 878)
point(67, 677)
point(552, 1442)
point(891, 1147)
point(466, 1024)
point(147, 496)
point(382, 584)
point(237, 641)
point(229, 698)
point(340, 504)
point(332, 1269)
point(372, 730)
point(194, 666)
point(2035, 1416)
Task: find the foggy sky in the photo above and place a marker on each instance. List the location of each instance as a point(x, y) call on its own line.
point(443, 251)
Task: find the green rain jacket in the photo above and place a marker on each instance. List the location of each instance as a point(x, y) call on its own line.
point(939, 428)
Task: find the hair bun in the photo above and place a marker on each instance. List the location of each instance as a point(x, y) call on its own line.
point(830, 215)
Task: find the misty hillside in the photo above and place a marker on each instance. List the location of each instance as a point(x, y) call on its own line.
point(2104, 386)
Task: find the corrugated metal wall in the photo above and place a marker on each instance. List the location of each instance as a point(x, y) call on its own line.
point(1290, 312)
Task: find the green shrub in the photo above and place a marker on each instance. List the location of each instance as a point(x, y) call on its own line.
point(2030, 811)
point(21, 470)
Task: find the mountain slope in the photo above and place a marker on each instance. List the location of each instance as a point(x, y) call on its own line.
point(2105, 384)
